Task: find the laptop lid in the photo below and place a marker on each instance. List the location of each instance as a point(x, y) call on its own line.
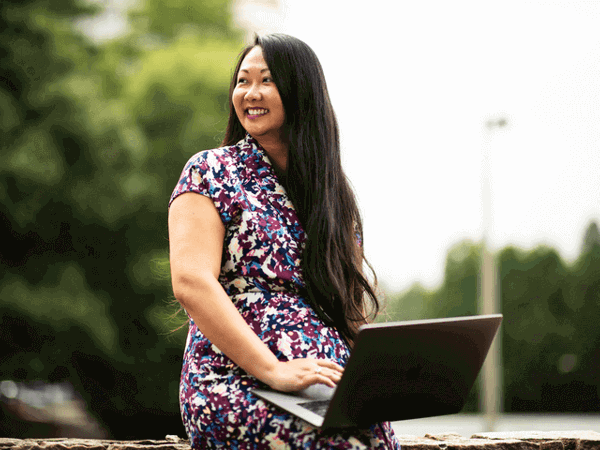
point(405, 370)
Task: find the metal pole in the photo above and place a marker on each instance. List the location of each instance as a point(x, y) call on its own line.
point(491, 386)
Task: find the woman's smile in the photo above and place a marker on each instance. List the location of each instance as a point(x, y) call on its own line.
point(256, 112)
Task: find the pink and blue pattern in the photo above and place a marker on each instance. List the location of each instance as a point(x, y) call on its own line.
point(261, 274)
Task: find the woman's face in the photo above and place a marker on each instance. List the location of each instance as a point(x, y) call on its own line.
point(256, 99)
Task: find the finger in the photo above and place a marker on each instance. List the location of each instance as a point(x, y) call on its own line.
point(315, 374)
point(328, 373)
point(329, 377)
point(322, 379)
point(330, 365)
point(326, 363)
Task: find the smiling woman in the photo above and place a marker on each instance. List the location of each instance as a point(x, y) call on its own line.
point(267, 260)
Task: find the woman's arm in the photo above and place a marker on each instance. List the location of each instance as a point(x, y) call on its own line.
point(196, 235)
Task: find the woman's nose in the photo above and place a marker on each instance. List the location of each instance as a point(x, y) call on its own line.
point(253, 93)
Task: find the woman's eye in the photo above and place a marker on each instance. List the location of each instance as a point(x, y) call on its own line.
point(267, 80)
point(241, 80)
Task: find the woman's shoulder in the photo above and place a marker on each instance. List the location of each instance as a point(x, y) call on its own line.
point(216, 165)
point(220, 156)
point(209, 172)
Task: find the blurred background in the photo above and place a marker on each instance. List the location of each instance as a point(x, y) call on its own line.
point(471, 133)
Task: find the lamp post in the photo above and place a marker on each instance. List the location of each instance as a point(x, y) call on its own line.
point(491, 386)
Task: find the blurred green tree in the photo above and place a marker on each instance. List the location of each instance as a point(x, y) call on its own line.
point(457, 296)
point(94, 137)
point(531, 282)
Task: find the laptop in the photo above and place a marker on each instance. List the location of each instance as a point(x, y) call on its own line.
point(398, 371)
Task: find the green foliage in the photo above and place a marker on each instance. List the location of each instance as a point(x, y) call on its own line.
point(61, 303)
point(93, 139)
point(176, 17)
point(456, 297)
point(550, 334)
point(408, 305)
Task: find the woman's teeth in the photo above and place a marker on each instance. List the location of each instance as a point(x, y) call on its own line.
point(257, 112)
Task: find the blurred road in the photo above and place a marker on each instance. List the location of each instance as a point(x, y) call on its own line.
point(469, 424)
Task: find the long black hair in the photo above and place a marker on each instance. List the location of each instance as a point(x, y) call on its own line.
point(332, 259)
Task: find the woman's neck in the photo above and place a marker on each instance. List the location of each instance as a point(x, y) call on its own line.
point(277, 151)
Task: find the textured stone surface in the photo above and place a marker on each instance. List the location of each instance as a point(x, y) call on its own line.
point(451, 441)
point(571, 440)
point(91, 444)
point(529, 440)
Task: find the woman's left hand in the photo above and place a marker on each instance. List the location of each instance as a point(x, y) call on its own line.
point(298, 374)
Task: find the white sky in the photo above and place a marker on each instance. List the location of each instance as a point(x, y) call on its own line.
point(413, 85)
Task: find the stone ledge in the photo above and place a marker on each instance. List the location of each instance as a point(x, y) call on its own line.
point(524, 440)
point(570, 440)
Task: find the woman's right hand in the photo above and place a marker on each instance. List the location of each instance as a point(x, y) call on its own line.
point(298, 374)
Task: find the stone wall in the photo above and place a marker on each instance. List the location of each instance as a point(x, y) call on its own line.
point(530, 440)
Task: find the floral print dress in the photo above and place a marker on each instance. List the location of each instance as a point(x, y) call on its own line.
point(261, 274)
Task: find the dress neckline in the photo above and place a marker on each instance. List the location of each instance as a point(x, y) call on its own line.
point(255, 157)
point(258, 165)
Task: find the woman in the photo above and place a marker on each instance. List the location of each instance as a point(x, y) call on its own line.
point(267, 260)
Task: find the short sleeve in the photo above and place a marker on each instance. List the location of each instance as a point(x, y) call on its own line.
point(214, 174)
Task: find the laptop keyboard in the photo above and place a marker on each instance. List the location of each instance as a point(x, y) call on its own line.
point(319, 407)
